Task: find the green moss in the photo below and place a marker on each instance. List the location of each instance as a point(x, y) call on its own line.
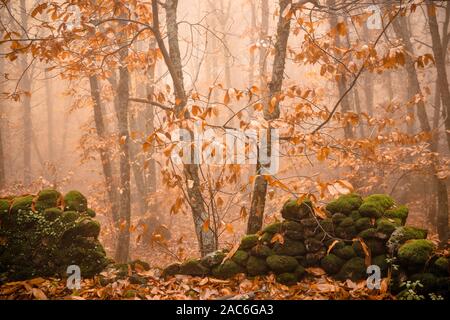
point(376, 247)
point(381, 262)
point(338, 217)
point(428, 281)
point(193, 268)
point(300, 271)
point(171, 270)
point(327, 225)
point(213, 259)
point(227, 270)
point(403, 234)
point(88, 228)
point(282, 264)
point(4, 206)
point(354, 269)
point(372, 233)
point(289, 248)
point(441, 265)
point(313, 245)
point(400, 212)
point(240, 257)
point(47, 198)
point(347, 222)
point(248, 241)
point(75, 201)
point(331, 263)
point(290, 225)
point(375, 205)
point(91, 213)
point(287, 278)
point(24, 203)
point(347, 252)
point(51, 214)
point(292, 210)
point(355, 215)
point(313, 258)
point(256, 266)
point(261, 250)
point(273, 228)
point(363, 224)
point(386, 226)
point(70, 216)
point(415, 252)
point(266, 237)
point(345, 204)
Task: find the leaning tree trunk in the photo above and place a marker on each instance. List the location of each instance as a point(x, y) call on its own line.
point(206, 238)
point(271, 112)
point(2, 154)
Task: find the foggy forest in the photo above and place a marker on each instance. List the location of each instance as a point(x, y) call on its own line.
point(243, 150)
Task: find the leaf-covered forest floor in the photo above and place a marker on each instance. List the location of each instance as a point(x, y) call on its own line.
point(148, 285)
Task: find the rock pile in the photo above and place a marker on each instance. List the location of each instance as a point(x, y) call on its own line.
point(357, 232)
point(41, 235)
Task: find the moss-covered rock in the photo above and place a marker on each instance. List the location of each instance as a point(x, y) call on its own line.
point(363, 224)
point(75, 201)
point(261, 250)
point(289, 248)
point(248, 241)
point(338, 217)
point(273, 228)
point(23, 203)
point(400, 212)
point(287, 278)
point(441, 266)
point(428, 281)
point(347, 252)
point(240, 257)
point(193, 268)
point(372, 233)
point(91, 213)
point(387, 226)
point(355, 215)
point(313, 258)
point(62, 239)
point(227, 269)
point(47, 198)
point(4, 206)
point(313, 245)
point(256, 266)
point(375, 246)
point(345, 204)
point(70, 216)
point(266, 237)
point(354, 269)
point(415, 252)
point(403, 234)
point(331, 263)
point(327, 225)
point(51, 214)
point(300, 271)
point(292, 210)
point(281, 264)
point(171, 270)
point(347, 222)
point(381, 262)
point(213, 259)
point(375, 205)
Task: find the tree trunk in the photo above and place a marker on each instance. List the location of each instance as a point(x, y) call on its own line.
point(105, 155)
point(271, 112)
point(26, 86)
point(123, 95)
point(439, 56)
point(49, 104)
point(2, 154)
point(442, 82)
point(207, 240)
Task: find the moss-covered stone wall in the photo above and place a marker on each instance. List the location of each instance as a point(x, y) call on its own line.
point(357, 232)
point(41, 235)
